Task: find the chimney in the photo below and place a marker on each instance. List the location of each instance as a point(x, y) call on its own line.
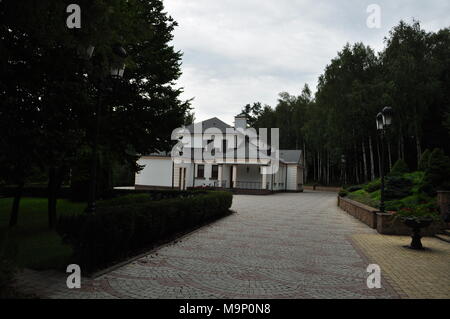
point(240, 121)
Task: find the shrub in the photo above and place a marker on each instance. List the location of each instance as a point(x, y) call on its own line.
point(364, 198)
point(122, 226)
point(373, 186)
point(343, 193)
point(397, 187)
point(437, 175)
point(400, 167)
point(393, 205)
point(418, 212)
point(354, 188)
point(424, 160)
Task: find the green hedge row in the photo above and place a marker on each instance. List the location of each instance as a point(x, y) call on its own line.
point(115, 231)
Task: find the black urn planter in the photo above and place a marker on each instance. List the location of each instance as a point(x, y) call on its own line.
point(416, 225)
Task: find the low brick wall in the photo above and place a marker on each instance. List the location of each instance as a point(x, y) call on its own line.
point(384, 223)
point(366, 214)
point(388, 225)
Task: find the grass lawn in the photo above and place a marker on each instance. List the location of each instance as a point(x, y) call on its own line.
point(31, 243)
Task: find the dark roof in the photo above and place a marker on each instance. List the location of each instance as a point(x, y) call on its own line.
point(210, 123)
point(291, 156)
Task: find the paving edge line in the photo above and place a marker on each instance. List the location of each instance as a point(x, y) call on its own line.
point(391, 285)
point(153, 250)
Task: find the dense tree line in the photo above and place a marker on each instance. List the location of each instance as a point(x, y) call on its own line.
point(52, 93)
point(336, 127)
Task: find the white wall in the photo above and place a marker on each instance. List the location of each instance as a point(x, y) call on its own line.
point(157, 172)
point(176, 174)
point(292, 177)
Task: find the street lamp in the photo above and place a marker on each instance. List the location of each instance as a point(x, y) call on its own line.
point(115, 73)
point(384, 120)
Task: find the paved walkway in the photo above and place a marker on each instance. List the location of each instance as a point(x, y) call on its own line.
point(412, 273)
point(277, 246)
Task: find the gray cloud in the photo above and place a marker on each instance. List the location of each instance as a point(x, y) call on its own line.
point(241, 51)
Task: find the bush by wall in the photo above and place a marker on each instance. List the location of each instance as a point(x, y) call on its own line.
point(397, 187)
point(343, 193)
point(400, 167)
point(128, 224)
point(354, 188)
point(437, 174)
point(373, 186)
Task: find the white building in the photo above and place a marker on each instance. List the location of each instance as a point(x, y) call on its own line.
point(202, 161)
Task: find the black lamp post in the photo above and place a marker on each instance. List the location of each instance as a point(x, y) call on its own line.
point(115, 73)
point(384, 120)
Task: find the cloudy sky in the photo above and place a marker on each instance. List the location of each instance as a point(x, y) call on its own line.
point(242, 51)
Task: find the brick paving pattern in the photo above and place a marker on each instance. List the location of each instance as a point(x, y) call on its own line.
point(277, 246)
point(413, 274)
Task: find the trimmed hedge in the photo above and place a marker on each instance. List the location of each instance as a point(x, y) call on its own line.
point(125, 225)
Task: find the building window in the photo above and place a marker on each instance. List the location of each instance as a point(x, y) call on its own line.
point(214, 171)
point(201, 171)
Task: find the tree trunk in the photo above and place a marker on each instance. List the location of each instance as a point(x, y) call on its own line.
point(356, 164)
point(16, 203)
point(402, 139)
point(51, 195)
point(419, 149)
point(328, 168)
point(319, 168)
point(314, 162)
point(56, 177)
point(372, 162)
point(365, 162)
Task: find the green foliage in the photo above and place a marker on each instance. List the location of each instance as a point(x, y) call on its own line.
point(409, 74)
point(363, 197)
point(118, 230)
point(343, 193)
point(397, 187)
point(51, 91)
point(418, 212)
point(354, 188)
point(400, 167)
point(373, 185)
point(437, 175)
point(424, 160)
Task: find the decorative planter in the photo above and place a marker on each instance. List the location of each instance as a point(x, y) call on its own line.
point(416, 225)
